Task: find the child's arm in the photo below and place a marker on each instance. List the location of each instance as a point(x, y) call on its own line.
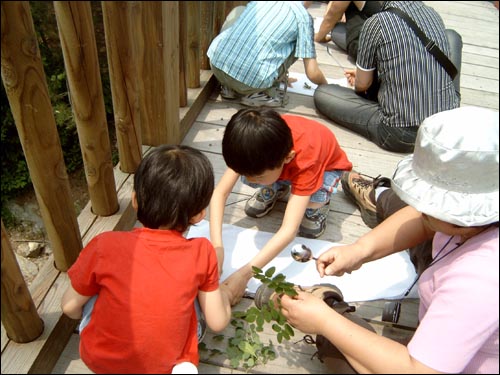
point(294, 213)
point(217, 205)
point(216, 307)
point(72, 303)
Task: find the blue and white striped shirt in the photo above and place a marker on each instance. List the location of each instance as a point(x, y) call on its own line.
point(262, 38)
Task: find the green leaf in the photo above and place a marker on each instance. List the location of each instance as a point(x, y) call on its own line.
point(256, 270)
point(276, 328)
point(289, 329)
point(279, 278)
point(246, 347)
point(270, 271)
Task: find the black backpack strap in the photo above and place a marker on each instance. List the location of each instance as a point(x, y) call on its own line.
point(430, 45)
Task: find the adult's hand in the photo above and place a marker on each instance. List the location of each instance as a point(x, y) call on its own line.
point(340, 259)
point(317, 38)
point(305, 312)
point(350, 74)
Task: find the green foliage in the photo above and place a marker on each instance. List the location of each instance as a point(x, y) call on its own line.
point(246, 349)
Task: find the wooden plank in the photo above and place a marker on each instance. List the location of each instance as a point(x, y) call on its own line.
point(69, 362)
point(344, 223)
point(19, 358)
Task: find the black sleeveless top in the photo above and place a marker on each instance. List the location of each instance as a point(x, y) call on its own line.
point(354, 22)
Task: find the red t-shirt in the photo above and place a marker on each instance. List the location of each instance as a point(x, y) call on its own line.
point(317, 151)
point(144, 319)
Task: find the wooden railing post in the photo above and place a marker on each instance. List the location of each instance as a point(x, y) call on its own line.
point(206, 36)
point(219, 15)
point(193, 43)
point(19, 315)
point(183, 53)
point(76, 32)
point(158, 59)
point(119, 30)
point(26, 87)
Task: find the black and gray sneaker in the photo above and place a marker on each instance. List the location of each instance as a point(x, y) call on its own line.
point(314, 222)
point(264, 199)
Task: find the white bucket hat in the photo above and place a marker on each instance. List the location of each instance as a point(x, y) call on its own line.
point(453, 173)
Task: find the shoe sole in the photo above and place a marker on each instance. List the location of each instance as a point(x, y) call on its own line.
point(254, 104)
point(369, 218)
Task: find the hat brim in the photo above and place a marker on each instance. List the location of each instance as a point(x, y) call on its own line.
point(464, 209)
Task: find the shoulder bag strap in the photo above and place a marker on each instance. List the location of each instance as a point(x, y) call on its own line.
point(429, 44)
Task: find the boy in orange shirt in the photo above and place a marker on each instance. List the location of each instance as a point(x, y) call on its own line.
point(277, 154)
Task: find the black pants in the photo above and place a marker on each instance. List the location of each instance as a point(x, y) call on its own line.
point(387, 204)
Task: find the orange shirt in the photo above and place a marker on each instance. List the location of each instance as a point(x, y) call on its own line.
point(146, 280)
point(317, 151)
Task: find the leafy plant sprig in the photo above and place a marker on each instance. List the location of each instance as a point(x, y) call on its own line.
point(246, 349)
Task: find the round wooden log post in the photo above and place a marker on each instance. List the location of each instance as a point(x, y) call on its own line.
point(206, 37)
point(19, 315)
point(76, 32)
point(219, 17)
point(183, 52)
point(26, 87)
point(193, 43)
point(119, 32)
point(158, 69)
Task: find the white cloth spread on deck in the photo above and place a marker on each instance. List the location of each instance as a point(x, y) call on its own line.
point(386, 278)
point(305, 87)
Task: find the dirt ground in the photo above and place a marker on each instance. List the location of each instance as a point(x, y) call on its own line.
point(30, 231)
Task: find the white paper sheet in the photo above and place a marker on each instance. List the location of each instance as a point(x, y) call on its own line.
point(389, 277)
point(305, 87)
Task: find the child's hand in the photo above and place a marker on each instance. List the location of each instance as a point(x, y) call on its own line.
point(291, 80)
point(236, 284)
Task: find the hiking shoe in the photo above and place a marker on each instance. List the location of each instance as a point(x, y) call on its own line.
point(327, 292)
point(261, 99)
point(362, 192)
point(314, 222)
point(228, 93)
point(264, 200)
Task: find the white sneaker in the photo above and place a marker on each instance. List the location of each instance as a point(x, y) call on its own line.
point(228, 93)
point(261, 99)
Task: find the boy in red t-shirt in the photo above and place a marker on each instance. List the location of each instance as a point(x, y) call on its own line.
point(278, 154)
point(147, 280)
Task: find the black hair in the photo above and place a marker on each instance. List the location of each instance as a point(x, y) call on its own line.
point(172, 184)
point(256, 140)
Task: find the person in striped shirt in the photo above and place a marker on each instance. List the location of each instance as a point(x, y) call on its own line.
point(397, 82)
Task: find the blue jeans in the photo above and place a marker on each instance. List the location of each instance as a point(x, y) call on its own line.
point(331, 180)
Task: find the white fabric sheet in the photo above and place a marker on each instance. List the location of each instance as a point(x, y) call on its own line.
point(389, 277)
point(305, 87)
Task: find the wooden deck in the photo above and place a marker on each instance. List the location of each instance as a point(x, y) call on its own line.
point(476, 21)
